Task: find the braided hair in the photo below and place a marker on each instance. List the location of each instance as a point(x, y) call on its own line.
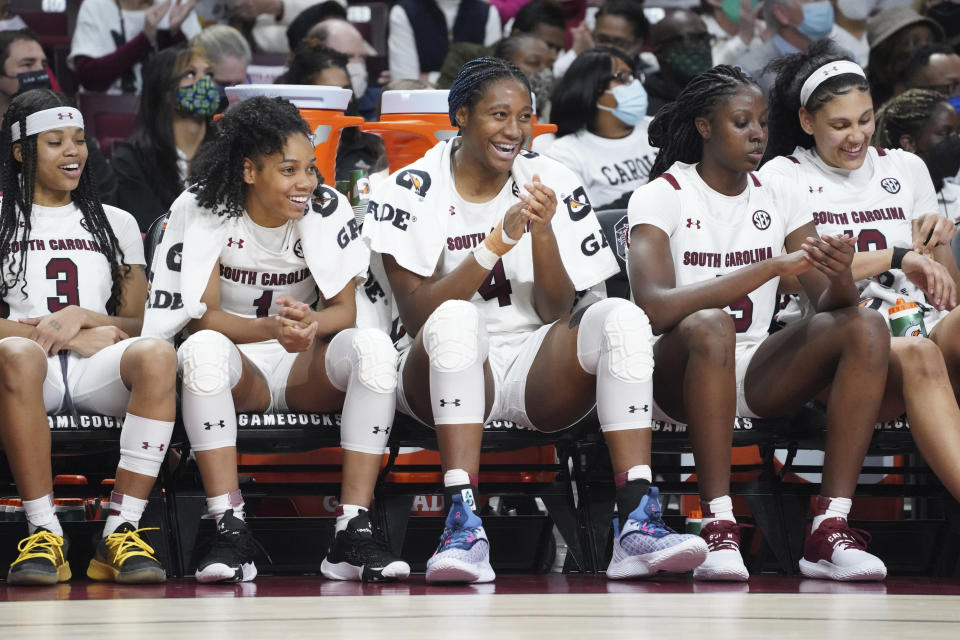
point(474, 78)
point(673, 129)
point(252, 129)
point(792, 71)
point(905, 115)
point(18, 181)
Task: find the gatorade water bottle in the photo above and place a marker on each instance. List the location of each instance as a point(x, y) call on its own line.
point(906, 319)
point(693, 523)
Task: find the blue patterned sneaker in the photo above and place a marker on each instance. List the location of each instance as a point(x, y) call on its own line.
point(647, 545)
point(464, 551)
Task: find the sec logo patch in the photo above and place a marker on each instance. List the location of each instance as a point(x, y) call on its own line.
point(890, 185)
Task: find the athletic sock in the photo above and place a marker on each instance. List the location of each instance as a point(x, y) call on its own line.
point(457, 482)
point(717, 509)
point(219, 505)
point(346, 513)
point(123, 508)
point(631, 486)
point(41, 513)
point(830, 508)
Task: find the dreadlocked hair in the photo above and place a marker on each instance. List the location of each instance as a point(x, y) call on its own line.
point(792, 71)
point(18, 182)
point(474, 78)
point(254, 128)
point(905, 115)
point(673, 129)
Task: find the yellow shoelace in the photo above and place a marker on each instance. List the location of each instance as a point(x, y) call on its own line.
point(41, 544)
point(126, 544)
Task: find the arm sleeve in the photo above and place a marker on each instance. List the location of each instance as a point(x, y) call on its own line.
point(656, 203)
point(402, 47)
point(97, 74)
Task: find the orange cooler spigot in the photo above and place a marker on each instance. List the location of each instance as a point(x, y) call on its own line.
point(321, 107)
point(413, 121)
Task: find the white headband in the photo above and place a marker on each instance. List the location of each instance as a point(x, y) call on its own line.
point(826, 72)
point(48, 119)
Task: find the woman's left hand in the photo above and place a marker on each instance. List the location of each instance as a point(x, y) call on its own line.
point(931, 230)
point(541, 204)
point(53, 332)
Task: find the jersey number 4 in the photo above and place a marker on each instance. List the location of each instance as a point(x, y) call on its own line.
point(496, 286)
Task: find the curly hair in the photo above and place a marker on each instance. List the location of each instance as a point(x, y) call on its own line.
point(792, 71)
point(673, 129)
point(254, 128)
point(905, 115)
point(18, 183)
point(474, 78)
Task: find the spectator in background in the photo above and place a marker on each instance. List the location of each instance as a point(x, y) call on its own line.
point(313, 63)
point(228, 52)
point(23, 65)
point(946, 13)
point(421, 32)
point(532, 56)
point(620, 24)
point(893, 34)
point(113, 38)
point(543, 19)
point(178, 101)
point(343, 37)
point(931, 66)
point(600, 111)
point(310, 17)
point(796, 24)
point(850, 27)
point(271, 18)
point(923, 122)
point(683, 48)
point(733, 25)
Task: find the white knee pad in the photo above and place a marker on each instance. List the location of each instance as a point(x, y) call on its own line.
point(209, 363)
point(615, 343)
point(455, 339)
point(363, 363)
point(211, 366)
point(143, 444)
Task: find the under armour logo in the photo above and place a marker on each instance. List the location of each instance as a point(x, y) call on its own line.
point(147, 445)
point(819, 190)
point(693, 223)
point(231, 242)
point(455, 402)
point(826, 72)
point(61, 116)
point(645, 408)
point(209, 425)
point(378, 429)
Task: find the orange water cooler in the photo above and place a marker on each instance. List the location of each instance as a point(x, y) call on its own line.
point(321, 107)
point(413, 121)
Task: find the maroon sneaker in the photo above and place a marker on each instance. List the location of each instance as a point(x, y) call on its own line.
point(838, 552)
point(724, 561)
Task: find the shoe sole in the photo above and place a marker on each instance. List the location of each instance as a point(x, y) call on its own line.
point(827, 570)
point(397, 570)
point(725, 574)
point(677, 559)
point(453, 570)
point(103, 572)
point(223, 573)
point(39, 579)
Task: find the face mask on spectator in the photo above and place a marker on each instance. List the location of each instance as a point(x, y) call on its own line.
point(358, 77)
point(202, 98)
point(947, 14)
point(856, 9)
point(943, 160)
point(732, 9)
point(541, 84)
point(817, 20)
point(685, 62)
point(33, 80)
point(631, 103)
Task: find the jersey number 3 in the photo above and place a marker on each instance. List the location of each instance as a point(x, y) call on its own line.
point(496, 286)
point(64, 271)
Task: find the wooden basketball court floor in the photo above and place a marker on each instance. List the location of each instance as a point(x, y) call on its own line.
point(552, 606)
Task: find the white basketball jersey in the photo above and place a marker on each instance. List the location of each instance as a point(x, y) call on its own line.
point(876, 202)
point(712, 234)
point(260, 264)
point(65, 265)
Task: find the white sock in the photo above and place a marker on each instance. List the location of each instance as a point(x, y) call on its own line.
point(123, 508)
point(347, 513)
point(41, 513)
point(455, 477)
point(219, 505)
point(718, 509)
point(640, 472)
point(836, 508)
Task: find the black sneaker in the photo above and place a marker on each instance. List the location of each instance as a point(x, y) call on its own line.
point(125, 557)
point(359, 553)
point(42, 560)
point(230, 558)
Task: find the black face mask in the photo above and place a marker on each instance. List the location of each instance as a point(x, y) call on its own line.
point(33, 80)
point(947, 14)
point(943, 160)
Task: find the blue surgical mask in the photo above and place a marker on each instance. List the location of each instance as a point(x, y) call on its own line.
point(817, 20)
point(631, 103)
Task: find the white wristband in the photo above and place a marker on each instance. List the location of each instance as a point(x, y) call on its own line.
point(484, 257)
point(507, 239)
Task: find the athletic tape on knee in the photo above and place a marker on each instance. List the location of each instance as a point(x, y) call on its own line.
point(143, 444)
point(615, 344)
point(455, 338)
point(363, 363)
point(211, 367)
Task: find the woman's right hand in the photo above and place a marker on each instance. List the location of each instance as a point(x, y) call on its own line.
point(179, 12)
point(515, 221)
point(793, 263)
point(933, 278)
point(152, 18)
